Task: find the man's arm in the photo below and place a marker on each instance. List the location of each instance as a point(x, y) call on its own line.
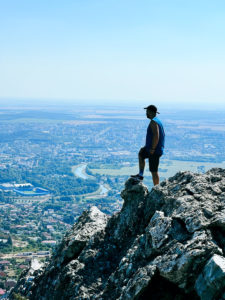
point(155, 139)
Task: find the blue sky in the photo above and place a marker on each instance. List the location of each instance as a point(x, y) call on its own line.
point(105, 50)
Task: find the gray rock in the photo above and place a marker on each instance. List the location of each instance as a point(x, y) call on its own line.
point(89, 223)
point(158, 229)
point(48, 279)
point(211, 282)
point(168, 243)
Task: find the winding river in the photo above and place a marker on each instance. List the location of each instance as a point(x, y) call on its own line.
point(80, 171)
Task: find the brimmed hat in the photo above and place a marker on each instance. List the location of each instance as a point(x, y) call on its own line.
point(152, 108)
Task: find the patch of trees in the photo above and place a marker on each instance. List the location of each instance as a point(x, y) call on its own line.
point(65, 185)
point(54, 175)
point(68, 219)
point(57, 177)
point(6, 246)
point(66, 198)
point(10, 174)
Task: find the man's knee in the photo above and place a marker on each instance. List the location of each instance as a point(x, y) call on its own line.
point(140, 153)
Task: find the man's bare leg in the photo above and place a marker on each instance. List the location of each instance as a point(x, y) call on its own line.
point(140, 175)
point(155, 178)
point(141, 164)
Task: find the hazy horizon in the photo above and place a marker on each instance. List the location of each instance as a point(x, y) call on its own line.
point(66, 103)
point(124, 52)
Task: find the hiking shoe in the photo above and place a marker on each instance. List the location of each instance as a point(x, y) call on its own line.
point(138, 177)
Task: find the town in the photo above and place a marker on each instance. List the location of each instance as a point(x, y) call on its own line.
point(54, 165)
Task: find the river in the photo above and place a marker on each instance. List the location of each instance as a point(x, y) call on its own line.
point(104, 190)
point(80, 171)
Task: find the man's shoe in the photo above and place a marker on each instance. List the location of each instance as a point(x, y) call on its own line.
point(138, 177)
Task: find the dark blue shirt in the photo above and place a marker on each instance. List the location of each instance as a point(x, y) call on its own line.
point(160, 146)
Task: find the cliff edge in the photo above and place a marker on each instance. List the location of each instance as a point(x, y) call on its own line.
point(168, 243)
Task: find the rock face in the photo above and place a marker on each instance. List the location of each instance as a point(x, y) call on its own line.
point(165, 244)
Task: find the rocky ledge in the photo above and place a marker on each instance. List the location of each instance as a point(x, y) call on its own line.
point(168, 243)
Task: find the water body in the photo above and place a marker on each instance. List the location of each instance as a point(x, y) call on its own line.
point(104, 190)
point(80, 171)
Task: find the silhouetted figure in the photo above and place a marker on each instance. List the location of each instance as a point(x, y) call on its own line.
point(154, 145)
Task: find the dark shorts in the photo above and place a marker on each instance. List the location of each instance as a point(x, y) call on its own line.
point(152, 158)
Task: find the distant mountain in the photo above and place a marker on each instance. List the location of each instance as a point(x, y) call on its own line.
point(168, 243)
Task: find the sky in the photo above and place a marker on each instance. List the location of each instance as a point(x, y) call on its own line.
point(113, 51)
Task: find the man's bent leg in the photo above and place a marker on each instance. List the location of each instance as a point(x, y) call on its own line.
point(141, 159)
point(141, 162)
point(155, 178)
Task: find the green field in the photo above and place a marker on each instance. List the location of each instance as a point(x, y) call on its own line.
point(168, 168)
point(116, 172)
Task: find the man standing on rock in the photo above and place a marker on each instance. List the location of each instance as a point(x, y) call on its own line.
point(154, 145)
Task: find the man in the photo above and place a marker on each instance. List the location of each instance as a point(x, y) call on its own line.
point(154, 145)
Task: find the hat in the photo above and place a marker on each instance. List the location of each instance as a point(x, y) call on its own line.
point(152, 108)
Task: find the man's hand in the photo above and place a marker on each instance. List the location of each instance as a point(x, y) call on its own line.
point(152, 151)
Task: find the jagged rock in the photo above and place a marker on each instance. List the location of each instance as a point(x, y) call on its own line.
point(89, 223)
point(26, 280)
point(211, 282)
point(168, 243)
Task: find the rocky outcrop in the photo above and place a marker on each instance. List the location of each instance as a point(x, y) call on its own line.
point(168, 243)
